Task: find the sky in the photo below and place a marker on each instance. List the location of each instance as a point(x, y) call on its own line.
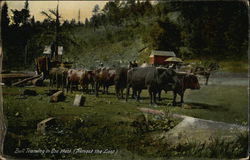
point(68, 9)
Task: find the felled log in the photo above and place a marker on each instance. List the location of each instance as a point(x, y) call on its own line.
point(37, 82)
point(51, 92)
point(44, 125)
point(79, 100)
point(25, 80)
point(58, 96)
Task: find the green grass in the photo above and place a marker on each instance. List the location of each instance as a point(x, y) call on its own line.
point(106, 122)
point(235, 66)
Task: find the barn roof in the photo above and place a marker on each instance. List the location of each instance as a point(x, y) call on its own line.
point(162, 53)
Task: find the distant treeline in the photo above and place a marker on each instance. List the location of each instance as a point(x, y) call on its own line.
point(215, 30)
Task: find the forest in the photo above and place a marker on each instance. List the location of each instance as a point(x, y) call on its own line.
point(128, 30)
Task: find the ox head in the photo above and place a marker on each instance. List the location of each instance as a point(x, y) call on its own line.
point(167, 78)
point(191, 82)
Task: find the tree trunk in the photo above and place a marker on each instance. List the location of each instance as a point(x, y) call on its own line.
point(3, 127)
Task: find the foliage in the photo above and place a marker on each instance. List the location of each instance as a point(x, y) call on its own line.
point(202, 30)
point(108, 123)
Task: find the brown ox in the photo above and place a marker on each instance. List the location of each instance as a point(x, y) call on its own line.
point(73, 78)
point(185, 81)
point(120, 80)
point(103, 77)
point(87, 78)
point(58, 76)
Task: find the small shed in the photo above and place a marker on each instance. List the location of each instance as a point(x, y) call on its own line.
point(158, 57)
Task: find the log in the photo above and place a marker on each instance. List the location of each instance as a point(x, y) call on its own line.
point(58, 96)
point(79, 100)
point(29, 92)
point(37, 82)
point(25, 80)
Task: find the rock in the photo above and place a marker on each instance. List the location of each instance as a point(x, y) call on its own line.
point(45, 125)
point(29, 92)
point(57, 97)
point(151, 111)
point(201, 130)
point(79, 100)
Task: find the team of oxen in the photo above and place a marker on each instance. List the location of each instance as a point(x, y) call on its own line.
point(154, 79)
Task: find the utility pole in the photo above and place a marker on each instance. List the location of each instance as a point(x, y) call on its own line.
point(57, 30)
point(79, 17)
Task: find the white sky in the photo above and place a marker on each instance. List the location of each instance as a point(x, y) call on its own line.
point(67, 9)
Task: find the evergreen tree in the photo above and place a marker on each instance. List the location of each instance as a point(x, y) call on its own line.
point(5, 21)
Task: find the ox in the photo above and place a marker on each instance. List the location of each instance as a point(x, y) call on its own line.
point(184, 81)
point(87, 78)
point(73, 78)
point(58, 76)
point(103, 77)
point(151, 78)
point(120, 80)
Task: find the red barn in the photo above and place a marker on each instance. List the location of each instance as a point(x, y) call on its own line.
point(159, 57)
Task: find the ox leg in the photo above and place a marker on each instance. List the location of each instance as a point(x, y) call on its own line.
point(159, 96)
point(127, 92)
point(174, 98)
point(182, 96)
point(133, 94)
point(107, 90)
point(122, 92)
point(207, 77)
point(117, 91)
point(67, 85)
point(92, 85)
point(71, 84)
point(87, 88)
point(154, 96)
point(139, 94)
point(56, 82)
point(151, 97)
point(96, 89)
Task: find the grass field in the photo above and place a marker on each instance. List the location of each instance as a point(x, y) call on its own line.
point(119, 124)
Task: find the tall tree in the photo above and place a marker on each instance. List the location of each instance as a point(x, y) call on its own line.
point(54, 17)
point(3, 127)
point(86, 23)
point(26, 12)
point(5, 22)
point(96, 9)
point(95, 18)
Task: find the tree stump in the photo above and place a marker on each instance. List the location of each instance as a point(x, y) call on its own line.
point(58, 96)
point(79, 100)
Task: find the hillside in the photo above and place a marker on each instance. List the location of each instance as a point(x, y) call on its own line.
point(118, 32)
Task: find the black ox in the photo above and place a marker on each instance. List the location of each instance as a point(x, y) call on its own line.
point(154, 79)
